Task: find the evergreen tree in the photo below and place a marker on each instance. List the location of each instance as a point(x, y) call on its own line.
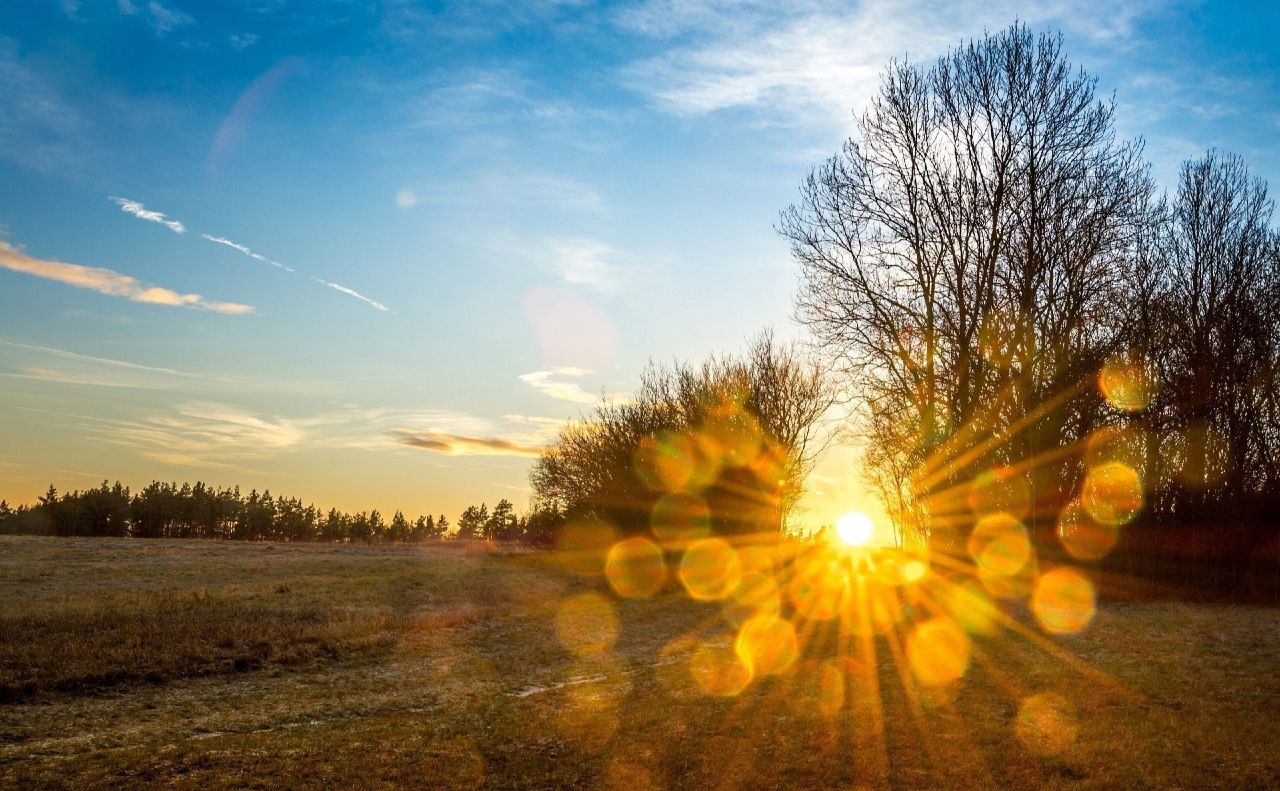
point(399, 528)
point(471, 522)
point(500, 526)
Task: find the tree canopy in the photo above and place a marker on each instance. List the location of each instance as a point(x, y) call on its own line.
point(1012, 304)
point(721, 446)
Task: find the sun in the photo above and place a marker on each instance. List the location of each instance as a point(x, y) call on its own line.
point(854, 529)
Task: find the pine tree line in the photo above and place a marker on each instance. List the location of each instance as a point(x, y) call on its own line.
point(167, 510)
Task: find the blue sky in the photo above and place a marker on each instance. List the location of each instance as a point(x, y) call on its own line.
point(541, 195)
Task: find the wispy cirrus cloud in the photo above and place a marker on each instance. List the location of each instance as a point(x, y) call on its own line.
point(246, 251)
point(471, 99)
point(550, 382)
point(112, 283)
point(589, 263)
point(200, 432)
point(546, 383)
point(60, 366)
point(60, 376)
point(163, 19)
point(138, 210)
point(353, 293)
point(40, 128)
point(462, 445)
point(259, 257)
point(143, 213)
point(452, 434)
point(806, 65)
point(546, 428)
point(584, 262)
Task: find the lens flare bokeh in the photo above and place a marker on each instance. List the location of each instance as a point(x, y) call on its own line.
point(1126, 383)
point(820, 618)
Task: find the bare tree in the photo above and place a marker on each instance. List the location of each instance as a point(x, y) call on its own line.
point(960, 261)
point(1218, 353)
point(734, 436)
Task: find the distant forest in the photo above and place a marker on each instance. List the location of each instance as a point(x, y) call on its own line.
point(167, 510)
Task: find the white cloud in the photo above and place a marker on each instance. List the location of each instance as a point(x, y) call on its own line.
point(199, 432)
point(472, 99)
point(143, 213)
point(589, 263)
point(160, 17)
point(165, 18)
point(138, 210)
point(243, 249)
point(571, 370)
point(549, 382)
point(545, 428)
point(335, 286)
point(492, 112)
point(111, 283)
point(806, 64)
point(802, 65)
point(582, 262)
point(354, 293)
point(545, 383)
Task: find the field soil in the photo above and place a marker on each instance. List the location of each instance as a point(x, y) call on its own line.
point(137, 664)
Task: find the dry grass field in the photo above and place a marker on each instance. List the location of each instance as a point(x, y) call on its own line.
point(166, 664)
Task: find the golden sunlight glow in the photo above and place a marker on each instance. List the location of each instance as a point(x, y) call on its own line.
point(718, 670)
point(971, 607)
point(586, 624)
point(999, 544)
point(854, 529)
point(680, 518)
point(1112, 493)
point(582, 544)
point(1127, 385)
point(635, 568)
point(1063, 601)
point(914, 570)
point(828, 687)
point(819, 587)
point(710, 569)
point(1083, 536)
point(938, 651)
point(1000, 491)
point(767, 645)
point(777, 597)
point(756, 594)
point(1046, 723)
